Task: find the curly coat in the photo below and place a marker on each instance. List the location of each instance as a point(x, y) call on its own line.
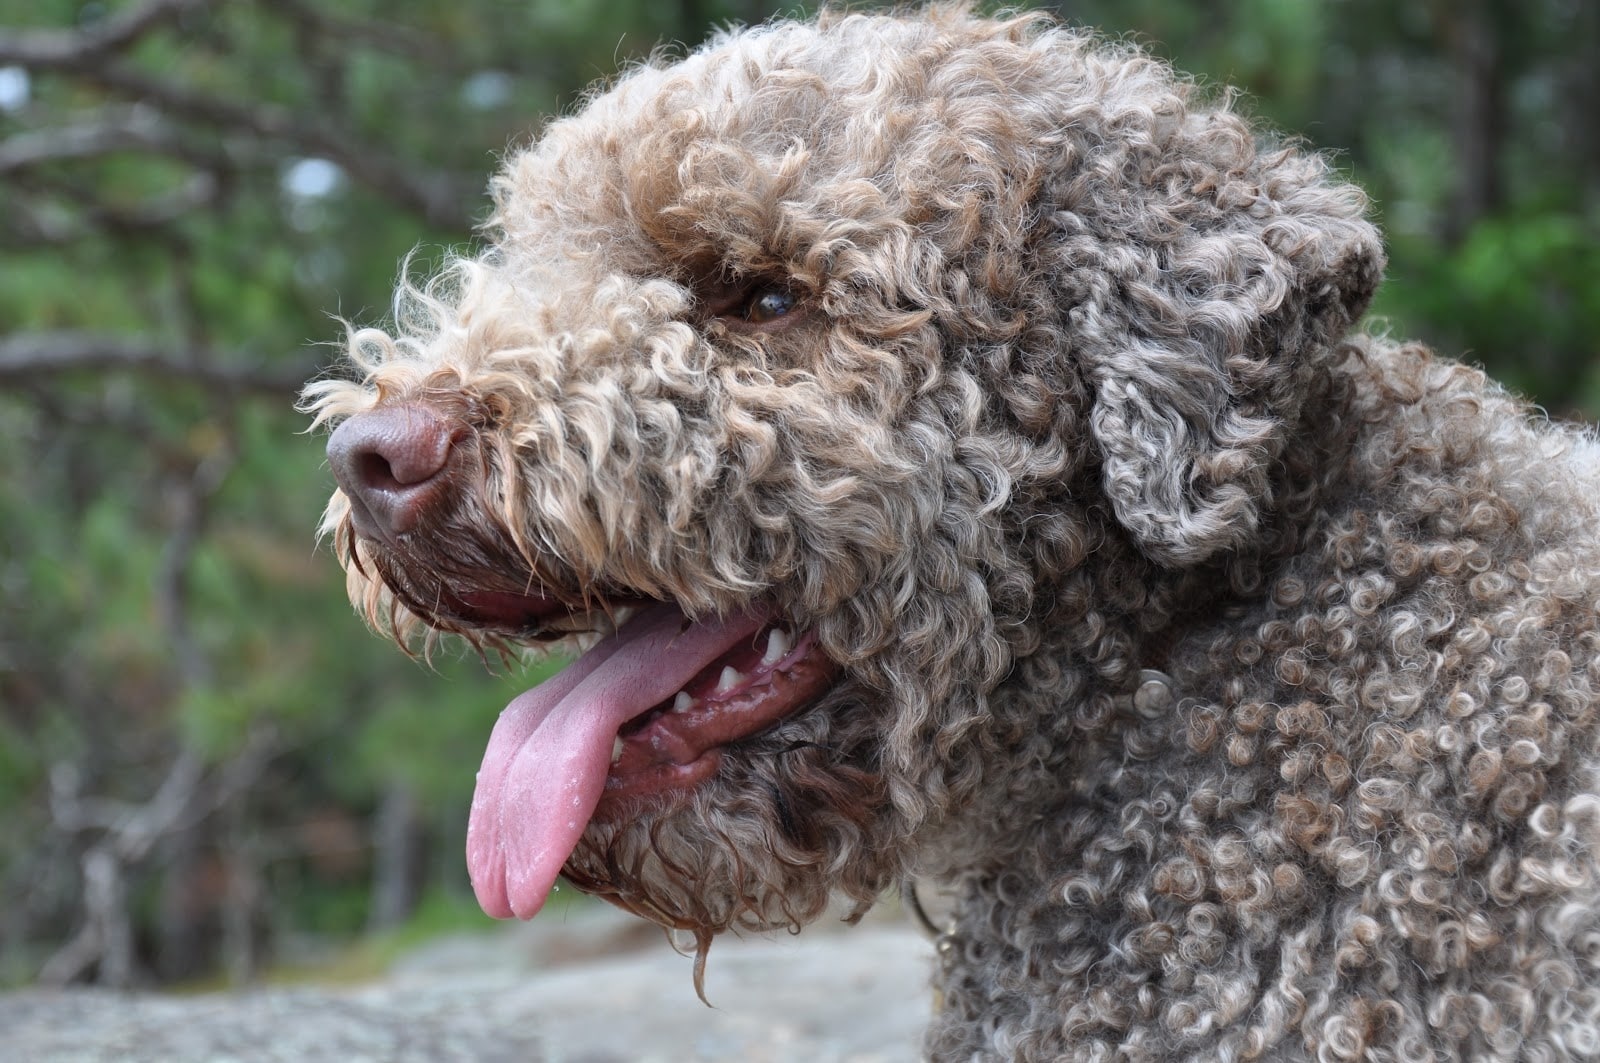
point(1065, 387)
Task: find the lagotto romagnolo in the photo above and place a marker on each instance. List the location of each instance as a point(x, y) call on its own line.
point(878, 404)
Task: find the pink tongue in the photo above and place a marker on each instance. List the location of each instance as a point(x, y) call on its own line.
point(546, 764)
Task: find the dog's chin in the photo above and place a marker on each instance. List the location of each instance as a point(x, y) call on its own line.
point(784, 823)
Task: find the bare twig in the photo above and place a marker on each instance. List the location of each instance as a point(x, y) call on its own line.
point(105, 937)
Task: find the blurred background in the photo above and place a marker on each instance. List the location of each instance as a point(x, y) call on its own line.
point(210, 772)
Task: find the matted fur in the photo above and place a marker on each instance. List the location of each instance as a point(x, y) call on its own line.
point(1077, 393)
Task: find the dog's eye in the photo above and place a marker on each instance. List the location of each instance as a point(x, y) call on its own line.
point(752, 303)
point(768, 304)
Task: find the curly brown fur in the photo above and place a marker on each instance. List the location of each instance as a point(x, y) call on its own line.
point(1070, 390)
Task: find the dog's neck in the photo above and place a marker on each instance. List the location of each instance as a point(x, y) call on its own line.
point(1106, 628)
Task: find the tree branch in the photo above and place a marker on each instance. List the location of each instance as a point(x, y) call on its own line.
point(73, 48)
point(190, 496)
point(29, 226)
point(31, 354)
point(108, 133)
point(130, 833)
point(439, 197)
point(386, 36)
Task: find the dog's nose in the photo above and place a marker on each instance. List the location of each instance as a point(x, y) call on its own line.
point(390, 462)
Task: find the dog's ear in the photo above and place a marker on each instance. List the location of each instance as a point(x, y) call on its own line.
point(1203, 279)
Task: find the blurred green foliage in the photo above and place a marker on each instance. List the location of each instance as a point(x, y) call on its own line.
point(182, 211)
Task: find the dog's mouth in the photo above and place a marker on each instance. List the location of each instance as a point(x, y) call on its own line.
point(645, 713)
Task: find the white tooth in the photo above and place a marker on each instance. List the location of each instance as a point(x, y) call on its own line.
point(730, 678)
point(623, 613)
point(777, 646)
point(682, 702)
point(616, 749)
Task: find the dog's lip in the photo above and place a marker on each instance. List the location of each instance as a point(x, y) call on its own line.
point(505, 609)
point(677, 744)
point(537, 617)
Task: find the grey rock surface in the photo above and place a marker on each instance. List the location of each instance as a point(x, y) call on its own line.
point(590, 988)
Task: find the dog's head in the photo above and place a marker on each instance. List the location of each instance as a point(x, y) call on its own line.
point(799, 378)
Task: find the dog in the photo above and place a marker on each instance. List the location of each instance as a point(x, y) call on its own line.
point(951, 444)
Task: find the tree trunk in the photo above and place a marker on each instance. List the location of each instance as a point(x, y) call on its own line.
point(1472, 31)
point(396, 858)
point(179, 942)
